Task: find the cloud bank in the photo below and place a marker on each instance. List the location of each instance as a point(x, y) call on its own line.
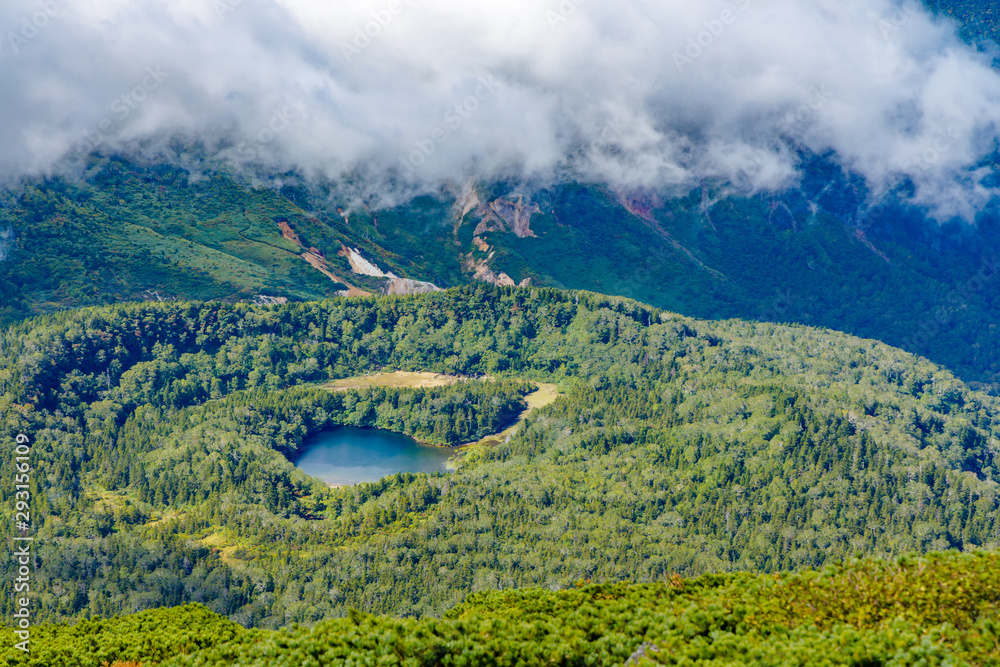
point(632, 93)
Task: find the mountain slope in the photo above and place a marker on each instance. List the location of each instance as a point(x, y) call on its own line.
point(813, 255)
point(159, 233)
point(822, 253)
point(680, 445)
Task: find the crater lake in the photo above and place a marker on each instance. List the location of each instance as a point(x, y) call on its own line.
point(348, 455)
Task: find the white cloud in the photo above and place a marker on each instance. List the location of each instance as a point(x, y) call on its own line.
point(6, 240)
point(631, 92)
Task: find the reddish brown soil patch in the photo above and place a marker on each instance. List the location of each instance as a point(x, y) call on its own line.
point(289, 233)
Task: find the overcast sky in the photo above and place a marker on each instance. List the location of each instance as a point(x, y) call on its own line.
point(655, 93)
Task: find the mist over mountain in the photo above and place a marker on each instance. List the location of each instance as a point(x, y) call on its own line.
point(397, 97)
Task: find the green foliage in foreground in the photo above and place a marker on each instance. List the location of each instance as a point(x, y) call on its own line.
point(939, 609)
point(147, 638)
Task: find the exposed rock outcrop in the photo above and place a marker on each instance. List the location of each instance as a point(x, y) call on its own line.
point(315, 258)
point(403, 286)
point(467, 200)
point(504, 214)
point(860, 235)
point(480, 270)
point(638, 203)
point(264, 300)
point(394, 284)
point(359, 264)
point(642, 205)
point(289, 233)
point(324, 267)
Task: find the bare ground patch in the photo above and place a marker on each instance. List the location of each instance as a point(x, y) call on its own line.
point(398, 379)
point(545, 394)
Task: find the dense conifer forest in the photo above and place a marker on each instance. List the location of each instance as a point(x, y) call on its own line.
point(161, 434)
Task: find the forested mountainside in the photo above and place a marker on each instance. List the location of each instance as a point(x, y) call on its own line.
point(160, 433)
point(921, 611)
point(822, 254)
point(809, 256)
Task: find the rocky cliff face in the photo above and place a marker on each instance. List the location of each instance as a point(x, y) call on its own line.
point(466, 201)
point(505, 215)
point(359, 264)
point(316, 259)
point(393, 283)
point(404, 286)
point(638, 203)
point(480, 270)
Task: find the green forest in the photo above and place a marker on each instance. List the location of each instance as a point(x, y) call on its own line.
point(936, 610)
point(132, 232)
point(161, 436)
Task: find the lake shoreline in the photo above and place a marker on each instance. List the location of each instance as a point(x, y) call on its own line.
point(349, 455)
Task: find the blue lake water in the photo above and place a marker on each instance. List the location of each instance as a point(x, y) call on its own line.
point(349, 455)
